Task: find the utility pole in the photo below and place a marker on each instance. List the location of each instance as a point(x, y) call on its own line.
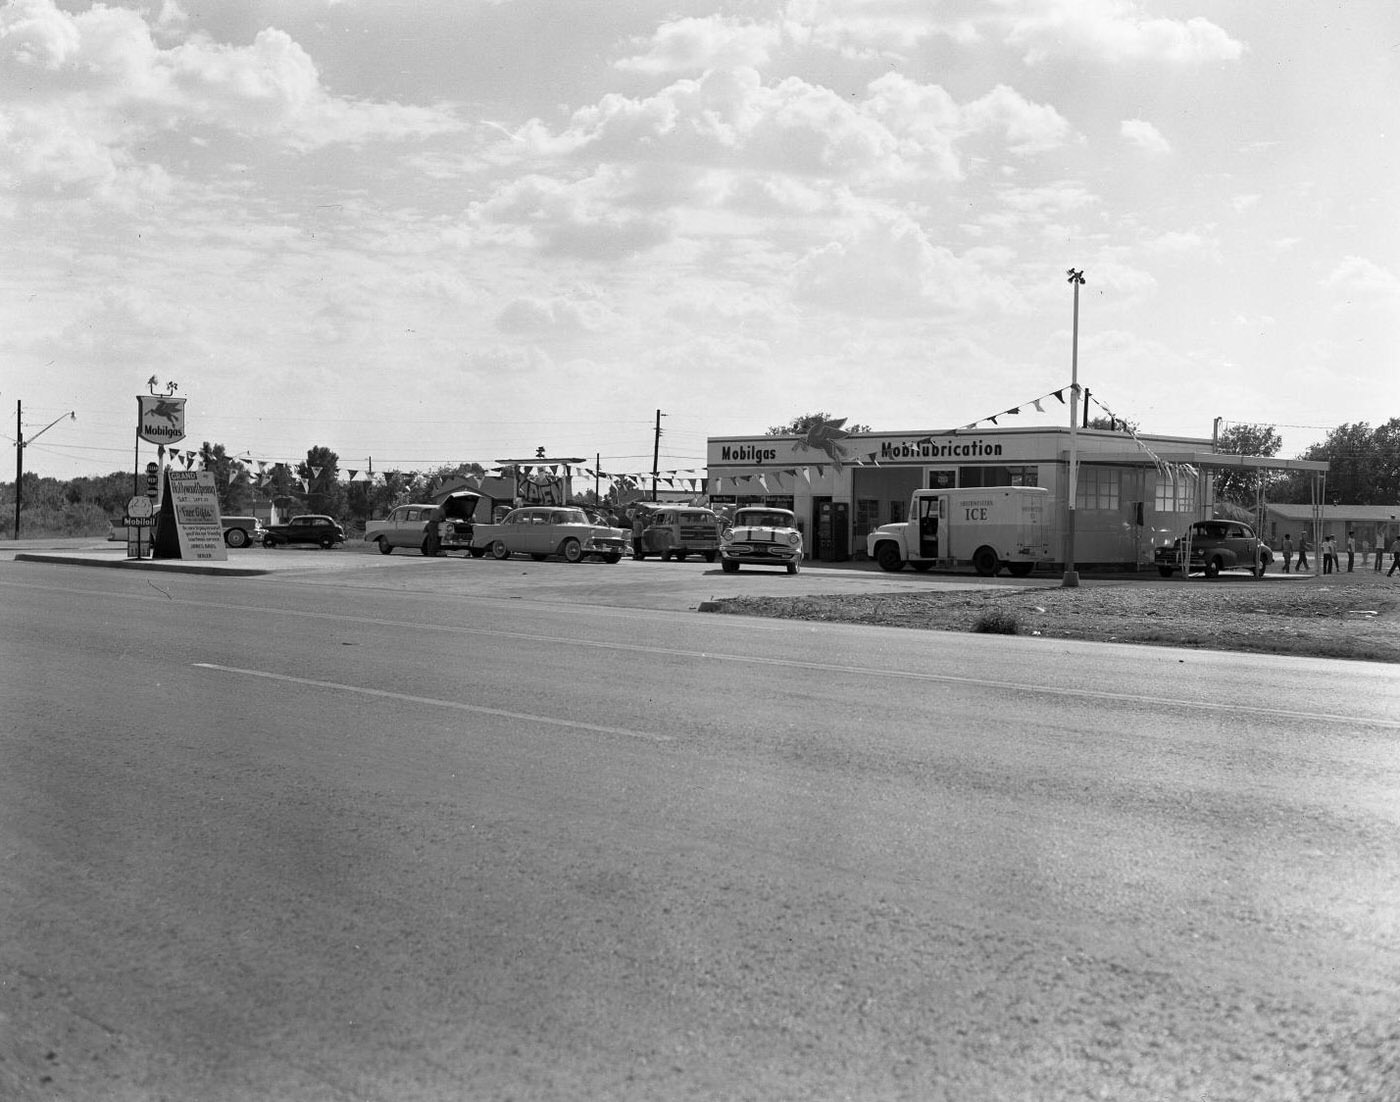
point(19, 453)
point(656, 455)
point(1071, 575)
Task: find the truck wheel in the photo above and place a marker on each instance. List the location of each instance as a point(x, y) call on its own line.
point(236, 537)
point(385, 547)
point(984, 561)
point(1020, 569)
point(1213, 567)
point(887, 555)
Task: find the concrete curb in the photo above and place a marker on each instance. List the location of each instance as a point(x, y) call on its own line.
point(169, 566)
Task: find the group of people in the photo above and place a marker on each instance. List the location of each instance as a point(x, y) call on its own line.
point(1330, 561)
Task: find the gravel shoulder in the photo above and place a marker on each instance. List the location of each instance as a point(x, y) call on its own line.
point(1352, 616)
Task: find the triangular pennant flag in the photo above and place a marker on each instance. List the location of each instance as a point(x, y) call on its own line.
point(1014, 409)
point(316, 471)
point(1038, 407)
point(1060, 395)
point(993, 420)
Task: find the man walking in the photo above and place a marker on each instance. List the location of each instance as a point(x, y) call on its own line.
point(1287, 552)
point(1351, 551)
point(1302, 551)
point(1395, 557)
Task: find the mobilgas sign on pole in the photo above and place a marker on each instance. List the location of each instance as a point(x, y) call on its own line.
point(162, 418)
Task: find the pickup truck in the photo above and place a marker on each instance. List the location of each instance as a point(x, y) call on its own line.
point(310, 528)
point(1216, 545)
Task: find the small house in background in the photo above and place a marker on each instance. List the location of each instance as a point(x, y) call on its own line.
point(1372, 525)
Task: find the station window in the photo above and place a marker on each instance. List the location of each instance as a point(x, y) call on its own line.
point(1175, 495)
point(1098, 488)
point(999, 476)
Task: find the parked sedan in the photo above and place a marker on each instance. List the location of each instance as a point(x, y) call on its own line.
point(308, 528)
point(541, 531)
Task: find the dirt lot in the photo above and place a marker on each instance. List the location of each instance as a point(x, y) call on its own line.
point(1332, 616)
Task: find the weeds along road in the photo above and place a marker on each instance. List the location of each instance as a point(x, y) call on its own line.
point(287, 838)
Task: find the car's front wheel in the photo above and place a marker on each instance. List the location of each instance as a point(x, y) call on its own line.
point(326, 543)
point(572, 550)
point(793, 568)
point(1213, 567)
point(1165, 571)
point(236, 537)
point(613, 556)
point(889, 558)
point(268, 541)
point(729, 567)
point(499, 550)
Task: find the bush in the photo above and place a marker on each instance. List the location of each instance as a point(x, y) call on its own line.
point(997, 622)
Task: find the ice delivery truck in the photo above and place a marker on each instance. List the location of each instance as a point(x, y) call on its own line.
point(989, 527)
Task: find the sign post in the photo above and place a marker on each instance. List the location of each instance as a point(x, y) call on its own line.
point(139, 520)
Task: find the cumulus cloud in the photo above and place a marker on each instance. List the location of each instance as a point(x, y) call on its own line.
point(1116, 31)
point(1145, 136)
point(1359, 278)
point(101, 74)
point(694, 45)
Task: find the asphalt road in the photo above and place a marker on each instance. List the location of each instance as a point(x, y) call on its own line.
point(366, 834)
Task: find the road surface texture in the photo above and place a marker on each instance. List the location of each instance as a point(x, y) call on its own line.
point(304, 838)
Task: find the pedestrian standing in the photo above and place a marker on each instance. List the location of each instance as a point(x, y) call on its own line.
point(638, 527)
point(1395, 557)
point(1329, 553)
point(1351, 552)
point(1302, 551)
point(1380, 551)
point(1287, 552)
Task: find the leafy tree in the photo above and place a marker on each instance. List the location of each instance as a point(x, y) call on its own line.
point(1239, 486)
point(802, 424)
point(1364, 466)
point(320, 472)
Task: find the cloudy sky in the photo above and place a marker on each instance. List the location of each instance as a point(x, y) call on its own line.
point(431, 231)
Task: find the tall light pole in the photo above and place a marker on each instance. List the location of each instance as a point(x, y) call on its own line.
point(20, 442)
point(1071, 576)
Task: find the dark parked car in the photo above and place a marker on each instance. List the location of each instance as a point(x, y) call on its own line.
point(1216, 545)
point(310, 528)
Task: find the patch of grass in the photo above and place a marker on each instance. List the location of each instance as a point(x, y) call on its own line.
point(997, 621)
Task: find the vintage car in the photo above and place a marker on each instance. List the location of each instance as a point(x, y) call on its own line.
point(1216, 545)
point(761, 536)
point(544, 530)
point(242, 531)
point(314, 528)
point(429, 528)
point(675, 531)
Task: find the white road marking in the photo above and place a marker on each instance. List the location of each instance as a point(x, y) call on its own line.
point(750, 659)
point(435, 702)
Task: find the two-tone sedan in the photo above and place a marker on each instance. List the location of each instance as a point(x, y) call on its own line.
point(541, 531)
point(761, 536)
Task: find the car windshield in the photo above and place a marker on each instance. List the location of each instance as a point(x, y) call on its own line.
point(761, 519)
